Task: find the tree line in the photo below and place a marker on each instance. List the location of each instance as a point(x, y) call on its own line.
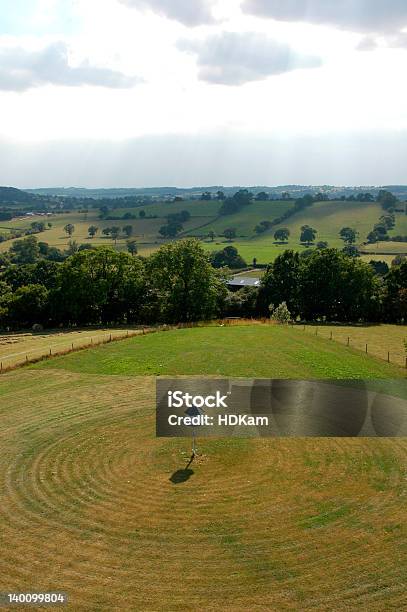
point(180, 283)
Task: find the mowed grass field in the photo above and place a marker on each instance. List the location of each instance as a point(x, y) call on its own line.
point(93, 504)
point(275, 351)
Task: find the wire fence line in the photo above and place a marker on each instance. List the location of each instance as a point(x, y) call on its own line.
point(394, 354)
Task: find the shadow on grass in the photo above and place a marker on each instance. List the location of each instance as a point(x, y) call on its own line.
point(183, 475)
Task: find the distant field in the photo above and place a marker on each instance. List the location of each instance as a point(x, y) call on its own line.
point(93, 504)
point(326, 217)
point(275, 351)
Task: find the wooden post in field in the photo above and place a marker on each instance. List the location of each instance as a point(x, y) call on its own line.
point(1, 365)
point(348, 341)
point(366, 349)
point(388, 356)
point(331, 335)
point(316, 331)
point(72, 345)
point(50, 351)
point(26, 358)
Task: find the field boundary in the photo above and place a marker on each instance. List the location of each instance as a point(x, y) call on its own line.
point(355, 343)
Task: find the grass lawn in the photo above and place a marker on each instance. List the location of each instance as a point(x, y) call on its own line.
point(275, 352)
point(94, 505)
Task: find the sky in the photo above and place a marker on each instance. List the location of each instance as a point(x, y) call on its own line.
point(137, 93)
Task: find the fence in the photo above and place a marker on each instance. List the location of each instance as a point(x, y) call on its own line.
point(361, 340)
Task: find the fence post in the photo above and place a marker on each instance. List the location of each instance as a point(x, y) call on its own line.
point(72, 345)
point(26, 358)
point(348, 341)
point(331, 335)
point(388, 356)
point(50, 351)
point(366, 349)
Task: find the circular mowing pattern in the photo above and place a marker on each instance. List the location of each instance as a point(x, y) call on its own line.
point(89, 506)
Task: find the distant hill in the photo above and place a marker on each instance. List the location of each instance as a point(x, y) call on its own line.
point(295, 191)
point(10, 195)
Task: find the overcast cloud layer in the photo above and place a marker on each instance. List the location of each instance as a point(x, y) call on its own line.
point(22, 69)
point(233, 58)
point(209, 160)
point(188, 12)
point(374, 16)
point(260, 93)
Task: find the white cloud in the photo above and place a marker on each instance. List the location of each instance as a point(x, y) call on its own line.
point(22, 69)
point(233, 58)
point(188, 12)
point(372, 16)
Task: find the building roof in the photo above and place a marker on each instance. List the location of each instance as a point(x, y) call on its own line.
point(239, 281)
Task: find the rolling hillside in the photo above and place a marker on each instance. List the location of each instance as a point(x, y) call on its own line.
point(326, 217)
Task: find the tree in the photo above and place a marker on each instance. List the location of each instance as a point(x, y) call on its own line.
point(115, 232)
point(92, 231)
point(351, 250)
point(220, 195)
point(38, 226)
point(128, 230)
point(28, 305)
point(262, 196)
point(281, 314)
point(227, 257)
point(386, 199)
point(206, 196)
point(336, 287)
point(69, 229)
point(25, 251)
point(72, 248)
point(100, 286)
point(189, 287)
point(285, 195)
point(282, 234)
point(263, 226)
point(395, 304)
point(348, 235)
point(282, 283)
point(211, 235)
point(230, 233)
point(308, 234)
point(5, 298)
point(142, 214)
point(171, 229)
point(132, 247)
